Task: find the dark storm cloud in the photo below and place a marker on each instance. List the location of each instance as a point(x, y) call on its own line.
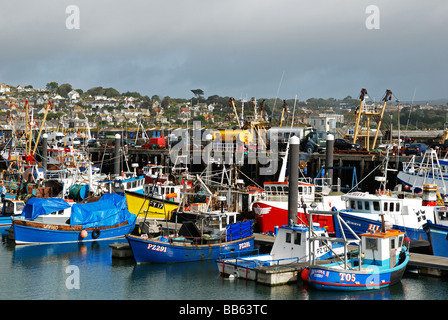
point(233, 48)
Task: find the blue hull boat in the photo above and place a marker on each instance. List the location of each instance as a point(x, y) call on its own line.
point(45, 220)
point(191, 244)
point(291, 245)
point(360, 225)
point(380, 262)
point(38, 233)
point(437, 232)
point(329, 279)
point(162, 251)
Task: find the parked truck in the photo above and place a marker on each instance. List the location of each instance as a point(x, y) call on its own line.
point(314, 141)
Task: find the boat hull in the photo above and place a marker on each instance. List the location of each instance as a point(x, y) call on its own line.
point(361, 225)
point(5, 221)
point(271, 214)
point(327, 278)
point(142, 206)
point(248, 272)
point(26, 232)
point(437, 236)
point(154, 251)
point(411, 180)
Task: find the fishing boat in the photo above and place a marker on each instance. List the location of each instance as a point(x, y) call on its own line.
point(214, 234)
point(363, 213)
point(379, 262)
point(430, 170)
point(55, 220)
point(272, 210)
point(156, 201)
point(437, 232)
point(291, 245)
point(123, 183)
point(10, 208)
point(155, 173)
point(404, 211)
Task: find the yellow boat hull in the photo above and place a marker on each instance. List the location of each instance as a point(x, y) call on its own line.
point(142, 206)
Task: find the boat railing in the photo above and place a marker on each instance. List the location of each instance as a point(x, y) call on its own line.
point(276, 197)
point(239, 254)
point(223, 146)
point(308, 180)
point(241, 258)
point(325, 240)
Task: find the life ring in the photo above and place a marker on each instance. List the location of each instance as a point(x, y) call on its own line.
point(95, 233)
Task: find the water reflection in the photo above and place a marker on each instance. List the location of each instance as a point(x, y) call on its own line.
point(39, 272)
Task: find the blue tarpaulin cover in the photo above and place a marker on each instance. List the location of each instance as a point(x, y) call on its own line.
point(35, 207)
point(110, 210)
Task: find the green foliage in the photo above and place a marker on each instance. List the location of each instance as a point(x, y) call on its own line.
point(52, 86)
point(96, 91)
point(111, 92)
point(133, 94)
point(64, 89)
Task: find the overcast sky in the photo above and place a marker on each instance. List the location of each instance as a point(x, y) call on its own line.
point(238, 48)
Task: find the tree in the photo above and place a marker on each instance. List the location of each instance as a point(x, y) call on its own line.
point(64, 89)
point(96, 91)
point(198, 93)
point(111, 92)
point(133, 94)
point(52, 86)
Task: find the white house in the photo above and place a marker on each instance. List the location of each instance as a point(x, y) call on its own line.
point(73, 95)
point(325, 122)
point(4, 88)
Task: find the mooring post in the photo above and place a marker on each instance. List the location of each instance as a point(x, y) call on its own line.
point(293, 168)
point(117, 157)
point(329, 159)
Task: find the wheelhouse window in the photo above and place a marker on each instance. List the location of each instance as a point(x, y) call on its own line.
point(371, 243)
point(367, 205)
point(288, 237)
point(393, 243)
point(376, 205)
point(298, 238)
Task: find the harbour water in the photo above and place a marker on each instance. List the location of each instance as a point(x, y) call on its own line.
point(88, 272)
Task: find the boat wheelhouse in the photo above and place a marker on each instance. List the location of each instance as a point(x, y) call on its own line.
point(363, 213)
point(271, 210)
point(291, 245)
point(379, 262)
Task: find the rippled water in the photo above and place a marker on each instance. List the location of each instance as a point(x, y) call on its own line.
point(88, 271)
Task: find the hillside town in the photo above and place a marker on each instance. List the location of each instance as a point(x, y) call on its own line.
point(107, 108)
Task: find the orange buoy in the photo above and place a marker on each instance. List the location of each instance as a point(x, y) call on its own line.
point(305, 273)
point(83, 234)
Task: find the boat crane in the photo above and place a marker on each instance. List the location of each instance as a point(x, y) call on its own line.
point(365, 112)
